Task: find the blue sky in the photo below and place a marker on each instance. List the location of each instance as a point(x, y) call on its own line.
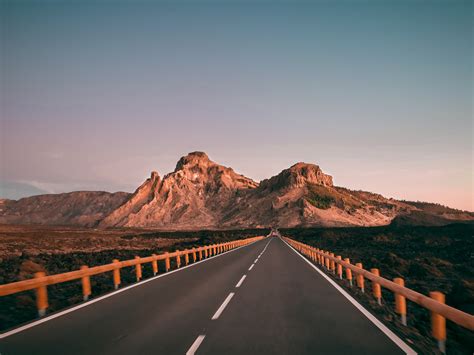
point(95, 95)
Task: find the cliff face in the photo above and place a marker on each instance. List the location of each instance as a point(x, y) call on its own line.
point(201, 194)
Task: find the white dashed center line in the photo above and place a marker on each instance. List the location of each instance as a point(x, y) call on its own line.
point(222, 307)
point(251, 267)
point(241, 280)
point(195, 345)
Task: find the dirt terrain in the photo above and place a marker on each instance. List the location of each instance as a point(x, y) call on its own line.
point(428, 258)
point(25, 250)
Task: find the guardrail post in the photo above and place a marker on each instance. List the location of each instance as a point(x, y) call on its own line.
point(138, 269)
point(360, 279)
point(348, 272)
point(400, 302)
point(167, 261)
point(200, 254)
point(41, 296)
point(376, 289)
point(328, 266)
point(186, 257)
point(333, 264)
point(86, 285)
point(339, 267)
point(116, 274)
point(154, 264)
point(178, 259)
point(438, 323)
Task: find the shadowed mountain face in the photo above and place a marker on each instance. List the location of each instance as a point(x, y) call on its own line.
point(200, 194)
point(84, 208)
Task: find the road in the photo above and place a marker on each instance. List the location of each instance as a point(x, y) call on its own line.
point(281, 306)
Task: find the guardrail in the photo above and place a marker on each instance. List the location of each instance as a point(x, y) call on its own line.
point(40, 282)
point(435, 303)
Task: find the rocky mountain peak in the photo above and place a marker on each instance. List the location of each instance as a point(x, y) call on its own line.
point(194, 159)
point(310, 173)
point(298, 175)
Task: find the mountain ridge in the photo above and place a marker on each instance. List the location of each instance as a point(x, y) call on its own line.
point(201, 194)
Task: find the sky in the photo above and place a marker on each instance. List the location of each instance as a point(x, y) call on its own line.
point(96, 94)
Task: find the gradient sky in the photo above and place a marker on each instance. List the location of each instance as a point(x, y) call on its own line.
point(95, 95)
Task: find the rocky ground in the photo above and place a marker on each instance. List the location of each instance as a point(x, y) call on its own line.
point(428, 258)
point(25, 250)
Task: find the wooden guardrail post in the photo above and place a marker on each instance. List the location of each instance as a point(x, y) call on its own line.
point(178, 259)
point(206, 253)
point(326, 253)
point(138, 269)
point(200, 253)
point(154, 264)
point(116, 274)
point(86, 284)
point(400, 302)
point(348, 272)
point(333, 264)
point(194, 255)
point(438, 323)
point(339, 267)
point(360, 279)
point(41, 296)
point(376, 289)
point(186, 257)
point(167, 262)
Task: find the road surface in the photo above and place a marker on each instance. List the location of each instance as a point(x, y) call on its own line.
point(260, 299)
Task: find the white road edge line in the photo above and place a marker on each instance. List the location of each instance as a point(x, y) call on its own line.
point(251, 267)
point(241, 280)
point(222, 307)
point(88, 303)
point(401, 344)
point(195, 345)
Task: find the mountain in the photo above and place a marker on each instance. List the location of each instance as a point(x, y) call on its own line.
point(201, 194)
point(193, 196)
point(84, 208)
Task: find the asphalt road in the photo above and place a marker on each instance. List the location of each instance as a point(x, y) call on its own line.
point(281, 306)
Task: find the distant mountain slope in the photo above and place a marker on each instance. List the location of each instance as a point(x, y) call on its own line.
point(201, 194)
point(82, 208)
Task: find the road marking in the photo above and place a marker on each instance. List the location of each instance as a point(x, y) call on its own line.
point(88, 303)
point(401, 344)
point(195, 345)
point(241, 280)
point(222, 307)
point(255, 260)
point(251, 267)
